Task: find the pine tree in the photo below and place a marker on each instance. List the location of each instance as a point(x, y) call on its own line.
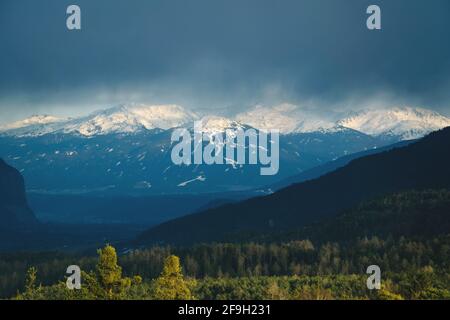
point(106, 282)
point(32, 291)
point(171, 285)
point(30, 282)
point(109, 274)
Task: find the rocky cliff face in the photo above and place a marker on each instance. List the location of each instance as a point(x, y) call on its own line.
point(14, 209)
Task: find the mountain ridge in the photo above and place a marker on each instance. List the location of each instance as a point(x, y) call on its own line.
point(141, 162)
point(134, 145)
point(421, 165)
point(405, 123)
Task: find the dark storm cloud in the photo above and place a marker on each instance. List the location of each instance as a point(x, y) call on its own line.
point(226, 52)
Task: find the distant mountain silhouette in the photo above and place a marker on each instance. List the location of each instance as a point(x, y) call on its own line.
point(14, 210)
point(421, 165)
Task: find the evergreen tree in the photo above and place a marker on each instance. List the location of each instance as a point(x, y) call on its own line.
point(32, 291)
point(171, 285)
point(109, 275)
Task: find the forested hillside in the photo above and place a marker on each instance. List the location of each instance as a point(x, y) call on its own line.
point(406, 234)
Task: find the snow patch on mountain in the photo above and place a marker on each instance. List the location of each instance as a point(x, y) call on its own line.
point(185, 183)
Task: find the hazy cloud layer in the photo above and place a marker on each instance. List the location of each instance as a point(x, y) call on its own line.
point(223, 54)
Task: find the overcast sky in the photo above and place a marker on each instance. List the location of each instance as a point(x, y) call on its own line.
point(222, 54)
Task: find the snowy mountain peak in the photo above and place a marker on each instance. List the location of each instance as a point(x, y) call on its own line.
point(121, 119)
point(34, 126)
point(33, 120)
point(287, 118)
point(131, 118)
point(404, 122)
point(217, 124)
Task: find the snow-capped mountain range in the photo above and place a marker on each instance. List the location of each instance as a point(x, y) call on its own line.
point(127, 149)
point(121, 119)
point(402, 122)
point(407, 123)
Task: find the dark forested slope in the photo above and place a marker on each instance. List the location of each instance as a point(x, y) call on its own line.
point(14, 208)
